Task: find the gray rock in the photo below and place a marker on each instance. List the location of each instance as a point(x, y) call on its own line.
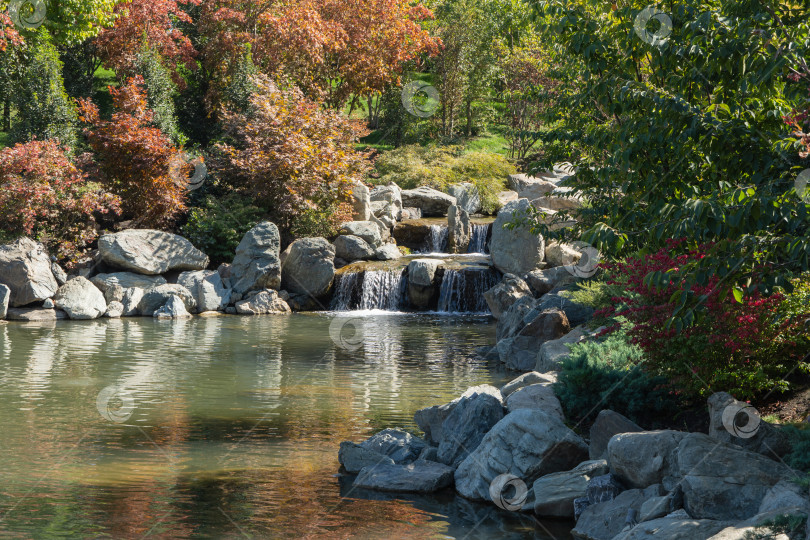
point(547, 325)
point(35, 314)
point(522, 182)
point(418, 477)
point(428, 200)
point(114, 293)
point(603, 521)
point(174, 308)
point(516, 317)
point(505, 197)
point(527, 443)
point(519, 353)
point(399, 445)
point(577, 314)
point(390, 194)
point(430, 453)
point(580, 504)
point(58, 273)
point(545, 280)
point(257, 264)
point(431, 419)
point(559, 199)
point(466, 425)
point(310, 267)
point(643, 459)
point(48, 303)
point(459, 230)
point(361, 209)
point(208, 289)
point(384, 228)
point(411, 213)
point(126, 280)
point(5, 297)
point(150, 252)
point(536, 189)
point(737, 422)
point(673, 527)
point(264, 302)
point(421, 281)
point(367, 230)
point(467, 197)
point(554, 494)
point(723, 481)
point(553, 352)
point(131, 299)
point(387, 252)
point(353, 248)
point(154, 298)
point(354, 457)
point(559, 254)
point(535, 396)
point(26, 270)
point(114, 310)
point(527, 379)
point(784, 495)
point(608, 423)
point(516, 251)
point(603, 488)
point(501, 297)
point(80, 299)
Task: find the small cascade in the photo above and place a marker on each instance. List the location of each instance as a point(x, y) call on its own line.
point(436, 240)
point(463, 290)
point(373, 289)
point(478, 238)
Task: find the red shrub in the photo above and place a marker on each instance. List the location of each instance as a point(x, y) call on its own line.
point(43, 195)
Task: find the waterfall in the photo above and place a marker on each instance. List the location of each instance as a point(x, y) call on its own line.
point(463, 290)
point(373, 289)
point(436, 240)
point(478, 238)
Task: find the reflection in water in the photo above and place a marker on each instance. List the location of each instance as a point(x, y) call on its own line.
point(234, 427)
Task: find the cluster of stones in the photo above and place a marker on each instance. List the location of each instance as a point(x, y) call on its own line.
point(623, 483)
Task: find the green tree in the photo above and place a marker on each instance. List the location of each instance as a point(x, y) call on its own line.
point(160, 93)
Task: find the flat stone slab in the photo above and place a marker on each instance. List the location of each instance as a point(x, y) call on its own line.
point(417, 477)
point(35, 314)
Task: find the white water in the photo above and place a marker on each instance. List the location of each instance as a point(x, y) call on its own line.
point(380, 290)
point(436, 240)
point(478, 239)
point(463, 291)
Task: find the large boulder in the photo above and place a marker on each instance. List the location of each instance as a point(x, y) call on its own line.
point(554, 493)
point(155, 298)
point(257, 263)
point(608, 423)
point(400, 446)
point(431, 419)
point(310, 267)
point(418, 477)
point(464, 428)
point(367, 230)
point(737, 422)
point(467, 197)
point(131, 301)
point(553, 352)
point(528, 444)
point(501, 297)
point(264, 302)
point(526, 379)
point(516, 251)
point(207, 288)
point(723, 481)
point(80, 299)
point(505, 197)
point(150, 252)
point(576, 313)
point(354, 457)
point(388, 252)
point(459, 230)
point(26, 270)
point(545, 280)
point(677, 526)
point(536, 396)
point(643, 459)
point(361, 208)
point(352, 248)
point(126, 280)
point(5, 297)
point(392, 196)
point(422, 282)
point(605, 520)
point(516, 317)
point(561, 198)
point(560, 254)
point(430, 201)
point(174, 308)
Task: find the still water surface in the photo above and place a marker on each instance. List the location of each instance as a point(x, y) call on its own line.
point(228, 427)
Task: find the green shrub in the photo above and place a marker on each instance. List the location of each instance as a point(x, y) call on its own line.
point(440, 166)
point(609, 374)
point(216, 226)
point(160, 94)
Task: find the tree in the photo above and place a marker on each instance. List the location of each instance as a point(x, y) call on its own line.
point(43, 195)
point(295, 158)
point(160, 91)
point(136, 160)
point(685, 136)
point(44, 109)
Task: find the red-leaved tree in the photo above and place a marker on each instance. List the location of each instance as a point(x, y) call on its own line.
point(135, 158)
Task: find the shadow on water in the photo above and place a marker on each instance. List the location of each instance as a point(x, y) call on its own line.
point(227, 426)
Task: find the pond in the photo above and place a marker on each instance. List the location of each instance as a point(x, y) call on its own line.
point(229, 426)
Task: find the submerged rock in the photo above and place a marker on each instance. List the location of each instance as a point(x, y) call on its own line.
point(150, 252)
point(354, 457)
point(257, 263)
point(417, 477)
point(35, 314)
point(26, 270)
point(399, 445)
